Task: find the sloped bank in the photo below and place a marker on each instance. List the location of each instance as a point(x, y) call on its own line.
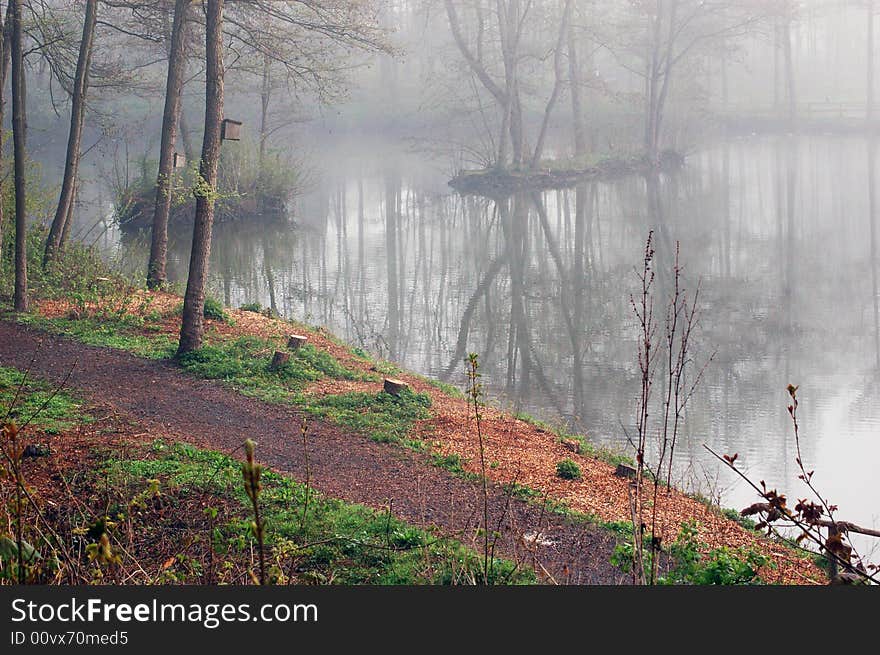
point(341, 386)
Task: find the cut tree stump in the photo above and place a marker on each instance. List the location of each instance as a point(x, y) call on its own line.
point(294, 341)
point(394, 387)
point(279, 360)
point(624, 471)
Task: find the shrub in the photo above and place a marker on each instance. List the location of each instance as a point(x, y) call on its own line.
point(568, 470)
point(720, 566)
point(214, 310)
point(251, 307)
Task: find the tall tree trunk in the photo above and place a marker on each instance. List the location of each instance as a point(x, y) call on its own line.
point(19, 127)
point(156, 269)
point(777, 38)
point(789, 70)
point(265, 95)
point(192, 326)
point(564, 22)
point(68, 220)
point(652, 79)
point(869, 100)
point(392, 218)
point(5, 42)
point(54, 242)
point(575, 77)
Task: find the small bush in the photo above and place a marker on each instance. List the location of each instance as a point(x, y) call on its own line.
point(252, 307)
point(568, 470)
point(214, 310)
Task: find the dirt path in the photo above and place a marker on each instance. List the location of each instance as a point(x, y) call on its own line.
point(343, 465)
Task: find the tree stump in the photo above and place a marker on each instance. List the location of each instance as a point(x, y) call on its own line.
point(294, 341)
point(394, 387)
point(279, 360)
point(624, 471)
point(573, 445)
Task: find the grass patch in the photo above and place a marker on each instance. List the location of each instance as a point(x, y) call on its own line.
point(36, 403)
point(244, 363)
point(329, 542)
point(446, 388)
point(124, 333)
point(383, 417)
point(587, 448)
point(568, 469)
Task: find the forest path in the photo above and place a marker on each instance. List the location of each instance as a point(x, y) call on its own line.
point(345, 465)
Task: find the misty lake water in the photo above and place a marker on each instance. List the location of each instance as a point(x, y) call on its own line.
point(778, 229)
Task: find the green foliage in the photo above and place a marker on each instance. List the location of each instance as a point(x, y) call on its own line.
point(251, 307)
point(690, 566)
point(384, 417)
point(451, 463)
point(214, 310)
point(338, 542)
point(244, 186)
point(744, 521)
point(568, 469)
point(40, 201)
point(123, 333)
point(602, 453)
point(244, 362)
point(721, 566)
point(36, 401)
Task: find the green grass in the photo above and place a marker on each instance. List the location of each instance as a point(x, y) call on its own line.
point(588, 448)
point(446, 388)
point(337, 542)
point(383, 417)
point(122, 333)
point(244, 363)
point(37, 403)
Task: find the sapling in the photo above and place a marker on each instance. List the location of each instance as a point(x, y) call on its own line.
point(251, 472)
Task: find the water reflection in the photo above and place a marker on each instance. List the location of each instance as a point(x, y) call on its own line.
point(539, 284)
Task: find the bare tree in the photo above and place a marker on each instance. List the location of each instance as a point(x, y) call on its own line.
point(19, 128)
point(171, 118)
point(5, 42)
point(653, 38)
point(59, 227)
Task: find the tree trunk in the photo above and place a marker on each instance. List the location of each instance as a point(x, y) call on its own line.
point(192, 325)
point(55, 241)
point(575, 77)
point(264, 109)
point(19, 127)
point(5, 41)
point(68, 220)
point(869, 100)
point(6, 36)
point(156, 269)
point(564, 22)
point(392, 207)
point(789, 71)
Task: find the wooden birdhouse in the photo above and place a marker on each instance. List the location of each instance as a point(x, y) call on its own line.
point(231, 130)
point(179, 161)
